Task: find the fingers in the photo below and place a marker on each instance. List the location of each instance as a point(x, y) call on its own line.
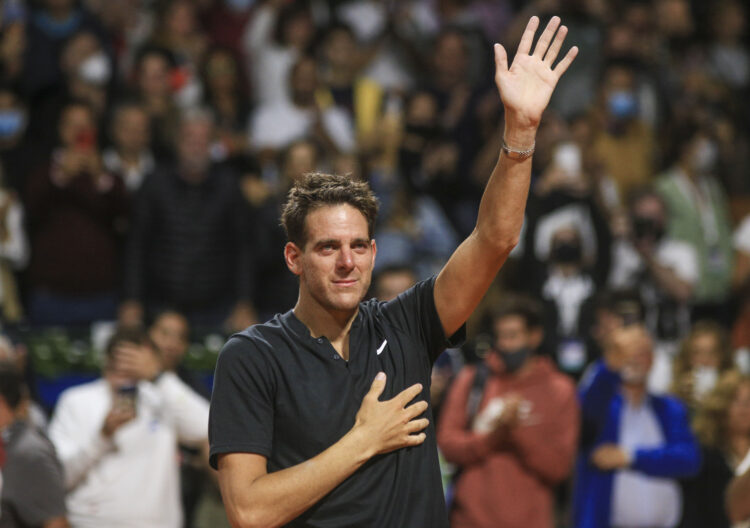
point(408, 394)
point(377, 387)
point(546, 37)
point(554, 49)
point(528, 35)
point(501, 58)
point(415, 440)
point(565, 62)
point(416, 409)
point(415, 426)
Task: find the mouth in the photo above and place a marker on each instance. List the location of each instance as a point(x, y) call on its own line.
point(345, 283)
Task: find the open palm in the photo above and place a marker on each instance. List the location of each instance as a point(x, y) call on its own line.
point(526, 87)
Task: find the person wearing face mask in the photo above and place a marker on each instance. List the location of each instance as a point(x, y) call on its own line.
point(662, 270)
point(623, 141)
point(568, 291)
point(510, 424)
point(699, 215)
point(635, 445)
point(703, 357)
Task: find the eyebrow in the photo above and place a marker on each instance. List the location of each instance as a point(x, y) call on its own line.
point(337, 242)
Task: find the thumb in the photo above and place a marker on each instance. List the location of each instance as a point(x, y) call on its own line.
point(378, 385)
point(501, 59)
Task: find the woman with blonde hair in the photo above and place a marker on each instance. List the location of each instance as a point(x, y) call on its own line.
point(722, 425)
point(704, 356)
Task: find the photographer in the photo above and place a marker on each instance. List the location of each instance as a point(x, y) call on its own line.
point(117, 438)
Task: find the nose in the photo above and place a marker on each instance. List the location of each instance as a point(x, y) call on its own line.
point(345, 261)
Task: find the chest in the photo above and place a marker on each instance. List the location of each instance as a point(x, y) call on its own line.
point(318, 393)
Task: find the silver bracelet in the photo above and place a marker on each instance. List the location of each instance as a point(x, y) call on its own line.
point(518, 155)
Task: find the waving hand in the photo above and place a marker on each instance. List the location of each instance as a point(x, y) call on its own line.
point(526, 87)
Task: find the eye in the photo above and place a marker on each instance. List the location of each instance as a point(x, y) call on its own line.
point(361, 246)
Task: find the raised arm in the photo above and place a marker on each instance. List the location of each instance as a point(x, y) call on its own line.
point(525, 89)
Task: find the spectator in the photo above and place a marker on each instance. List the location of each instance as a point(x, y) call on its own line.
point(663, 269)
point(130, 155)
point(12, 39)
point(722, 425)
point(74, 208)
point(705, 356)
point(568, 289)
point(16, 151)
point(188, 246)
point(390, 282)
point(497, 424)
point(226, 95)
point(276, 125)
point(14, 252)
point(635, 445)
point(623, 142)
point(153, 87)
point(699, 215)
point(278, 35)
point(33, 490)
point(729, 57)
point(117, 439)
point(170, 332)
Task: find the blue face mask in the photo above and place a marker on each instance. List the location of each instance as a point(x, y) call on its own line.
point(11, 123)
point(622, 104)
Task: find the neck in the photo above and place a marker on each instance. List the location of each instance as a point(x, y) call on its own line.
point(130, 157)
point(634, 394)
point(332, 324)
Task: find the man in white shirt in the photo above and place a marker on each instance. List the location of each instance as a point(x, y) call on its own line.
point(117, 439)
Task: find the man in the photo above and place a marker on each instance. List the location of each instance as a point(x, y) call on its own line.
point(188, 245)
point(511, 427)
point(296, 409)
point(635, 444)
point(33, 490)
point(117, 439)
point(130, 155)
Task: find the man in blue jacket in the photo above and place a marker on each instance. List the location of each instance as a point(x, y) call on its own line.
point(634, 444)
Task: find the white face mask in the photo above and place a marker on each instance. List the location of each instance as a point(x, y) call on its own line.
point(704, 380)
point(96, 69)
point(742, 360)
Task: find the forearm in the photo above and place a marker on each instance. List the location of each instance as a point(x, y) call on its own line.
point(78, 458)
point(501, 210)
point(277, 498)
point(738, 498)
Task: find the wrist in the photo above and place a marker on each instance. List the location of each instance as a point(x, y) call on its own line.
point(519, 134)
point(360, 443)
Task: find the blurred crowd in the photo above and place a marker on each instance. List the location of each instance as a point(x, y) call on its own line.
point(146, 147)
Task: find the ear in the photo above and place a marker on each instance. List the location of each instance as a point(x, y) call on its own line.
point(374, 250)
point(292, 254)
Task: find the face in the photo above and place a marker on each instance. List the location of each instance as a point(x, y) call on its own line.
point(75, 121)
point(181, 19)
point(154, 76)
point(131, 132)
point(650, 207)
point(450, 57)
point(739, 411)
point(704, 351)
point(221, 72)
point(637, 353)
point(304, 80)
point(511, 333)
point(391, 284)
point(298, 31)
point(194, 143)
point(170, 334)
point(340, 49)
point(301, 159)
point(335, 266)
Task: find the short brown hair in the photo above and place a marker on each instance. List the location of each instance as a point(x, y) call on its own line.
point(315, 190)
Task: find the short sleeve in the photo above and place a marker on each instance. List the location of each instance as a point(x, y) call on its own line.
point(241, 412)
point(38, 494)
point(414, 311)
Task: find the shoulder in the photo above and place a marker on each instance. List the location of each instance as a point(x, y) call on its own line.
point(82, 393)
point(32, 449)
point(668, 406)
point(255, 341)
point(559, 385)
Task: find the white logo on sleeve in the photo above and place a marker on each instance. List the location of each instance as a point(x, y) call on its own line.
point(382, 347)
